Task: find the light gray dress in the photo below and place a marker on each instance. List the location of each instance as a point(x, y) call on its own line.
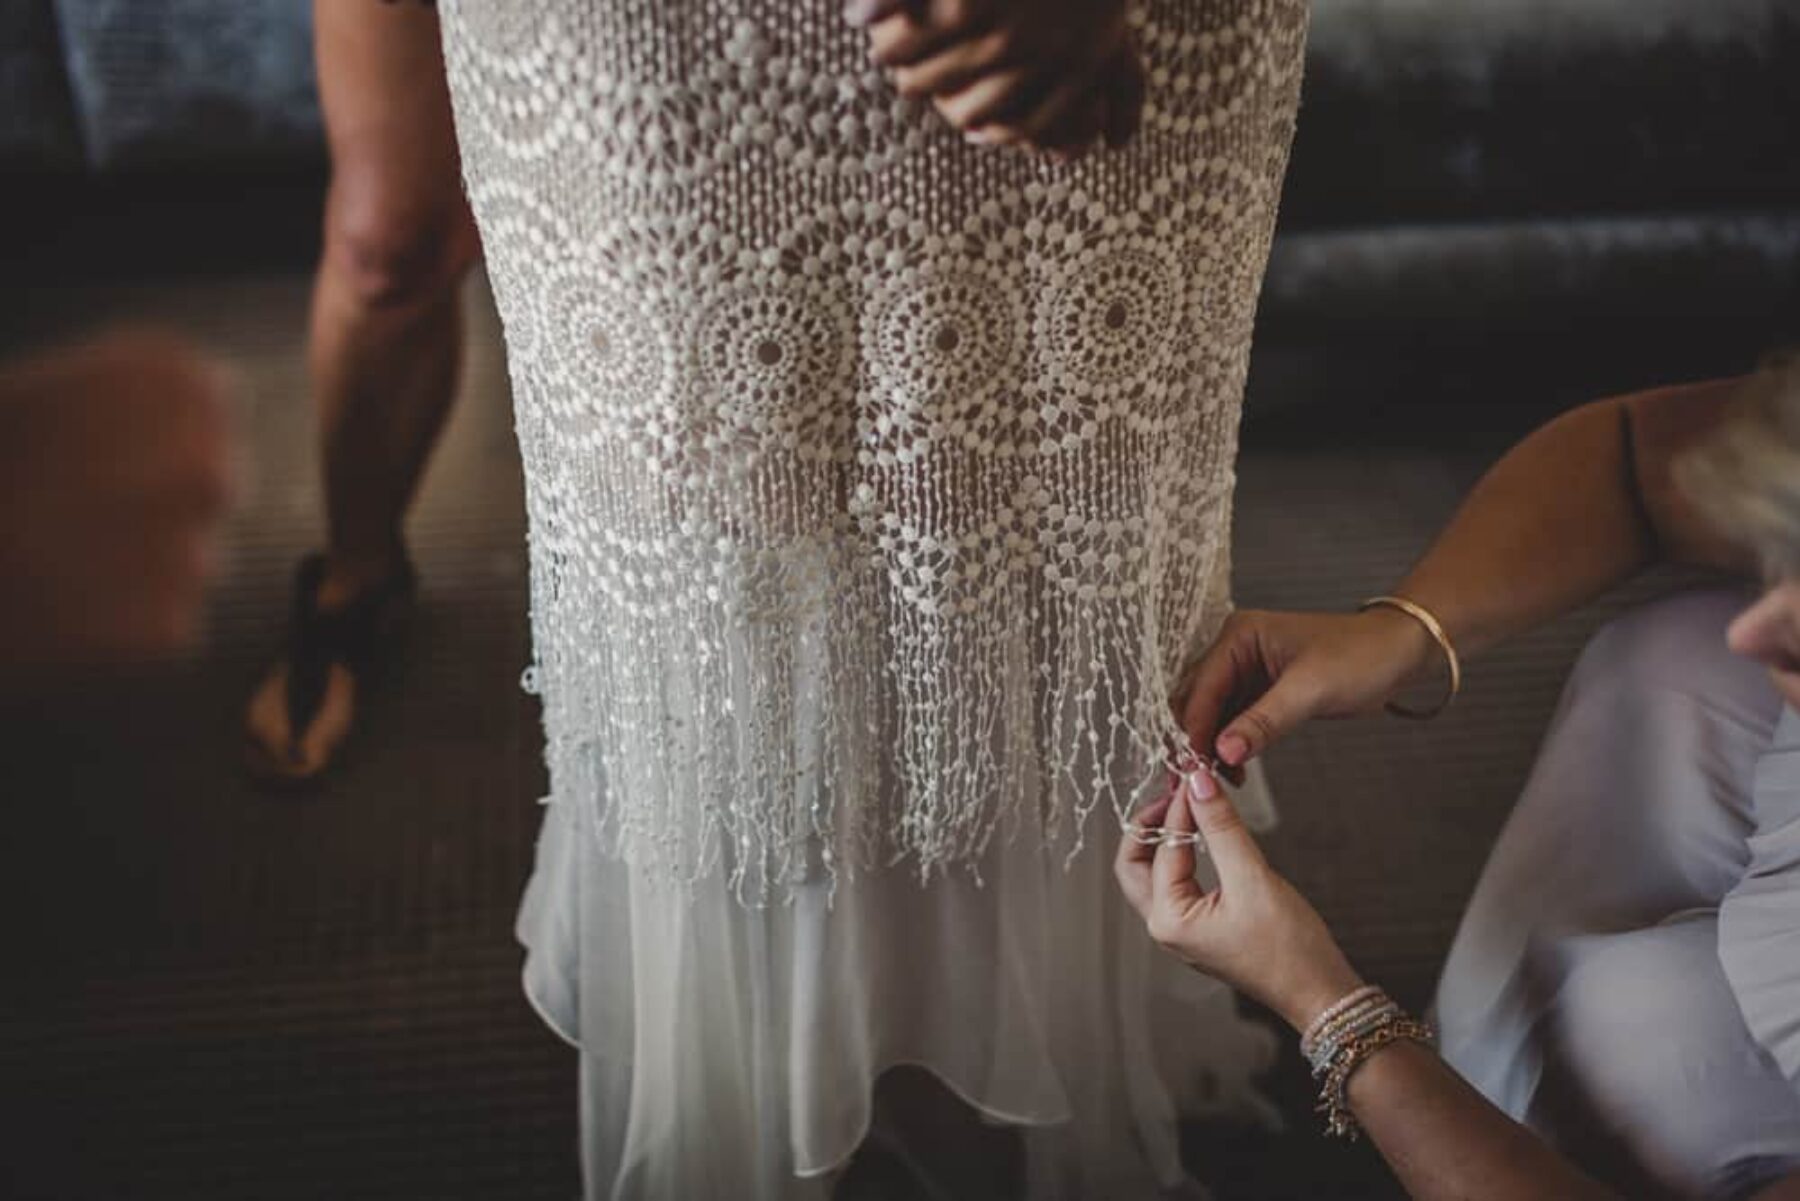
point(1627, 977)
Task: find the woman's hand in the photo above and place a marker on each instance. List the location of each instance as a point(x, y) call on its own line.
point(1254, 931)
point(1268, 672)
point(1053, 74)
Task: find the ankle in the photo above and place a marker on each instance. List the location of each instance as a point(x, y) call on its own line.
point(348, 577)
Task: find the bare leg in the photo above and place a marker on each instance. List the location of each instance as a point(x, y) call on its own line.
point(386, 330)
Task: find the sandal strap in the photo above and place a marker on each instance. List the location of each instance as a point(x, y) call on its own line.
point(350, 636)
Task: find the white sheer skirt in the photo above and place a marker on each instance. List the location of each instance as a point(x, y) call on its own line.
point(733, 1051)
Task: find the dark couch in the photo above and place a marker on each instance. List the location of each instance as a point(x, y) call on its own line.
point(1567, 194)
point(121, 85)
point(1485, 195)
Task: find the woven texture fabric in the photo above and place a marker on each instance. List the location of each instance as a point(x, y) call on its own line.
point(878, 484)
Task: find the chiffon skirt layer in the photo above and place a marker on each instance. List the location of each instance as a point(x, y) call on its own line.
point(1627, 976)
point(733, 1051)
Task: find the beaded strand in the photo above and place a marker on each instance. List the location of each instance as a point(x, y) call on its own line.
point(1342, 1038)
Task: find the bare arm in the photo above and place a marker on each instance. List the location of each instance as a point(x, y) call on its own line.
point(1580, 505)
point(1444, 1140)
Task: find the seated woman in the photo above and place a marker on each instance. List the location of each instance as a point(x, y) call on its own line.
point(1627, 978)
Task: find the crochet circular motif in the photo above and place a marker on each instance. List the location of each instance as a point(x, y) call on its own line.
point(1110, 320)
point(944, 339)
point(608, 346)
point(775, 360)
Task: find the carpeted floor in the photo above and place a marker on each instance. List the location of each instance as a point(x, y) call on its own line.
point(216, 993)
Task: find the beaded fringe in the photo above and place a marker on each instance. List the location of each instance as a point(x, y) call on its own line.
point(878, 485)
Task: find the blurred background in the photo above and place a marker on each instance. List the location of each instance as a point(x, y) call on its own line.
point(1496, 209)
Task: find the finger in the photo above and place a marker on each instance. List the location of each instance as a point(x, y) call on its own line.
point(863, 13)
point(1141, 847)
point(1124, 92)
point(1229, 843)
point(1131, 866)
point(905, 38)
point(900, 41)
point(1286, 704)
point(983, 101)
point(996, 99)
point(1065, 119)
point(1172, 871)
point(1103, 117)
point(1153, 815)
point(1132, 871)
point(955, 67)
point(1229, 668)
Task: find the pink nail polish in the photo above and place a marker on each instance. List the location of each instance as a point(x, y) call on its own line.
point(1233, 749)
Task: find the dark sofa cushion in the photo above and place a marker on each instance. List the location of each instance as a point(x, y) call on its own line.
point(1428, 110)
point(1659, 274)
point(37, 129)
point(222, 82)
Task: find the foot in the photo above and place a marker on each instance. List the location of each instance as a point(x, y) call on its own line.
point(302, 712)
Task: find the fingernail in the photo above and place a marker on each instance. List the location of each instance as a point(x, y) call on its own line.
point(1202, 787)
point(1233, 748)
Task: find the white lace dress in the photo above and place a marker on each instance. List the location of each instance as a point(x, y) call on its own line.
point(879, 487)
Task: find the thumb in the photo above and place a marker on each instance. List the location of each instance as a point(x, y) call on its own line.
point(1287, 703)
point(1229, 842)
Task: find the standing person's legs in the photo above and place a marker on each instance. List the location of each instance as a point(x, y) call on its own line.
point(1639, 807)
point(385, 346)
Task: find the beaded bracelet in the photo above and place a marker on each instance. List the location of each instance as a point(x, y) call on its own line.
point(1355, 1025)
point(1332, 1013)
point(1333, 1099)
point(1334, 1029)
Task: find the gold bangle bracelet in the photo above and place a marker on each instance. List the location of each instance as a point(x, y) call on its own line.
point(1435, 628)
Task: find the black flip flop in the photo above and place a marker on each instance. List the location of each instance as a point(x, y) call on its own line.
point(352, 637)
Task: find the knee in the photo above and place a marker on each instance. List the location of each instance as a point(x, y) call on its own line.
point(1677, 643)
point(394, 251)
point(1647, 1037)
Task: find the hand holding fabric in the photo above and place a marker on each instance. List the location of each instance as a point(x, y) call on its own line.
point(1055, 75)
point(1269, 672)
point(1254, 931)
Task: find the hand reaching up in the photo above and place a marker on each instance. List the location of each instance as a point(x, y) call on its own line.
point(1055, 75)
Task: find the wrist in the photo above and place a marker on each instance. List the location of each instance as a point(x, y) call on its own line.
point(1409, 647)
point(1312, 997)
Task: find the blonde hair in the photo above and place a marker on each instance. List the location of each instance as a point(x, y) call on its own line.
point(1745, 477)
